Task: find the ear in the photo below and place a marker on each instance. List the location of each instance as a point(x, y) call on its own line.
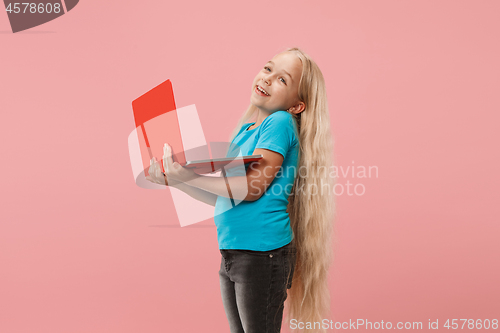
point(298, 108)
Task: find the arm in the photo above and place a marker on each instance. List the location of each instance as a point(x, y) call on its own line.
point(251, 187)
point(196, 193)
point(276, 136)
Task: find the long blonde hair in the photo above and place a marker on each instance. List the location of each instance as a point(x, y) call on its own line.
point(311, 205)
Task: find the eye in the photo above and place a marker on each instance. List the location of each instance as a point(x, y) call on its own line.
point(283, 80)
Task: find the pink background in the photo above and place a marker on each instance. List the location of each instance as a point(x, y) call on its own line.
point(412, 87)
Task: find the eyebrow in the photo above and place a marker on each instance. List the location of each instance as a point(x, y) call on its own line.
point(270, 61)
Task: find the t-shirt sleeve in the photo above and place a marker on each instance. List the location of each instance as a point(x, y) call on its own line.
point(277, 133)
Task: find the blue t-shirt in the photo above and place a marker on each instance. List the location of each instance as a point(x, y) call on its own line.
point(263, 224)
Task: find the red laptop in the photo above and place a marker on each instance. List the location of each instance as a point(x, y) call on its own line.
point(157, 122)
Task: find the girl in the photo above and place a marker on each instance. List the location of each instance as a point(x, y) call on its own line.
point(274, 222)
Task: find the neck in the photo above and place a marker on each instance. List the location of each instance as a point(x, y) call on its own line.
point(261, 115)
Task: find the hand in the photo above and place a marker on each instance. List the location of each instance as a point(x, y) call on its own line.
point(156, 175)
point(173, 170)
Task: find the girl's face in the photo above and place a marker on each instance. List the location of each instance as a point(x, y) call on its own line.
point(280, 80)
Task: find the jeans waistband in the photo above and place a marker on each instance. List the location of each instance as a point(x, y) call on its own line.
point(290, 247)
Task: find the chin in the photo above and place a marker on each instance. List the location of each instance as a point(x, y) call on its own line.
point(252, 101)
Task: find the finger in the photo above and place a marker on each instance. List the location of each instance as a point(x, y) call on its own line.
point(157, 170)
point(164, 157)
point(167, 157)
point(160, 176)
point(151, 166)
point(153, 169)
point(168, 162)
point(150, 170)
point(154, 164)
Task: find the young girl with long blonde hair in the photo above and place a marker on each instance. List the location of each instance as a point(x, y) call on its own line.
point(275, 220)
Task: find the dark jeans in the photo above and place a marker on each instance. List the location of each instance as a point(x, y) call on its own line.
point(254, 287)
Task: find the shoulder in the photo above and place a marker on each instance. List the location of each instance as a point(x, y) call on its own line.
point(279, 116)
point(282, 124)
point(286, 119)
point(280, 119)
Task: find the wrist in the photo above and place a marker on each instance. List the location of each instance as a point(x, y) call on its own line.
point(172, 182)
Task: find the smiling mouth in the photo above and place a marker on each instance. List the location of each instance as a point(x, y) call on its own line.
point(259, 92)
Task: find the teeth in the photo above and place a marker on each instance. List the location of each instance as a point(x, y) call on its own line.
point(260, 89)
